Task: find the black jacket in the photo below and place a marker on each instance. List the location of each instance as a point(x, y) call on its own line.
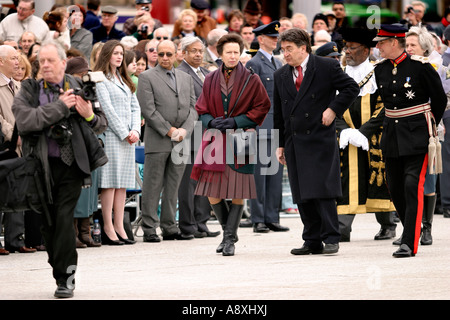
point(311, 149)
point(413, 84)
point(33, 120)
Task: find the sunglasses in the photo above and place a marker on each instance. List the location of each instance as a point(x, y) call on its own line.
point(168, 54)
point(159, 38)
point(151, 49)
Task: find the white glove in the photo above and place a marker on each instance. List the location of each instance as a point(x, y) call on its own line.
point(343, 138)
point(175, 135)
point(358, 139)
point(178, 134)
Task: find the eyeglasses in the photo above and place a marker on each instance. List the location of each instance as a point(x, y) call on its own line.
point(168, 54)
point(23, 9)
point(351, 48)
point(159, 38)
point(195, 51)
point(151, 49)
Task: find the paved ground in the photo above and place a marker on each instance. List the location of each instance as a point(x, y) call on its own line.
point(262, 269)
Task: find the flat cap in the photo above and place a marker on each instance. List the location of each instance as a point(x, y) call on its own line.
point(143, 1)
point(199, 4)
point(109, 9)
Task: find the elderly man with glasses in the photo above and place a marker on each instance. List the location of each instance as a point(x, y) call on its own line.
point(15, 24)
point(107, 30)
point(167, 99)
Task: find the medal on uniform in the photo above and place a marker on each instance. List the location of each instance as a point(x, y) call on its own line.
point(410, 94)
point(394, 71)
point(407, 85)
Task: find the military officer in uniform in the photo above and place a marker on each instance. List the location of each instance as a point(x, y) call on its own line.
point(414, 102)
point(362, 163)
point(268, 174)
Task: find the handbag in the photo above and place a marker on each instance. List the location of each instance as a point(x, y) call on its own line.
point(243, 142)
point(21, 186)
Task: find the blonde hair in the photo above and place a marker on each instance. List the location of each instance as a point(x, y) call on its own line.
point(300, 16)
point(188, 12)
point(24, 60)
point(95, 49)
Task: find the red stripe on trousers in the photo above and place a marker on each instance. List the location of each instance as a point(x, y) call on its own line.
point(423, 173)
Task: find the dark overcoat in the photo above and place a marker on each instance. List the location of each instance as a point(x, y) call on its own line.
point(311, 149)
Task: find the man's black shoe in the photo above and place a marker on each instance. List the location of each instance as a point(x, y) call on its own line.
point(200, 234)
point(179, 236)
point(152, 238)
point(403, 252)
point(385, 234)
point(446, 212)
point(276, 227)
point(63, 291)
point(331, 248)
point(212, 234)
point(305, 250)
point(260, 228)
point(245, 224)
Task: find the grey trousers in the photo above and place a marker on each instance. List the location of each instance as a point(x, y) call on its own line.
point(162, 178)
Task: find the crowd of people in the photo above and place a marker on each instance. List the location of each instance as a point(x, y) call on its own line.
point(275, 80)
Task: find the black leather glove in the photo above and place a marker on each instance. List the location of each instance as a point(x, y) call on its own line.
point(214, 122)
point(227, 123)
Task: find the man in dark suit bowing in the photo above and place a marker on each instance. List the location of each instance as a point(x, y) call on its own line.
point(305, 108)
point(268, 171)
point(194, 210)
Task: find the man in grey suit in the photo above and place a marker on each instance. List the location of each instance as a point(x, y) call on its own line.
point(194, 211)
point(268, 171)
point(167, 100)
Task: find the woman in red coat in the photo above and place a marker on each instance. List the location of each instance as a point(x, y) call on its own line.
point(224, 177)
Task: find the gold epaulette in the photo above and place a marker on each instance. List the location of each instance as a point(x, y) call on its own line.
point(420, 58)
point(379, 62)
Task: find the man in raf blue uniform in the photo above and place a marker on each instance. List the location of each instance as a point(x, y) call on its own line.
point(268, 171)
point(414, 102)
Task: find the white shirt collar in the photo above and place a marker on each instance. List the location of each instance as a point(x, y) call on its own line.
point(213, 56)
point(266, 54)
point(194, 69)
point(8, 80)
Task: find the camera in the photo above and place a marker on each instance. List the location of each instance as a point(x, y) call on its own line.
point(61, 133)
point(88, 91)
point(145, 8)
point(144, 29)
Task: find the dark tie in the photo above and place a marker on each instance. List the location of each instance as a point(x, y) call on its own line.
point(172, 80)
point(66, 150)
point(273, 62)
point(11, 85)
point(299, 79)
